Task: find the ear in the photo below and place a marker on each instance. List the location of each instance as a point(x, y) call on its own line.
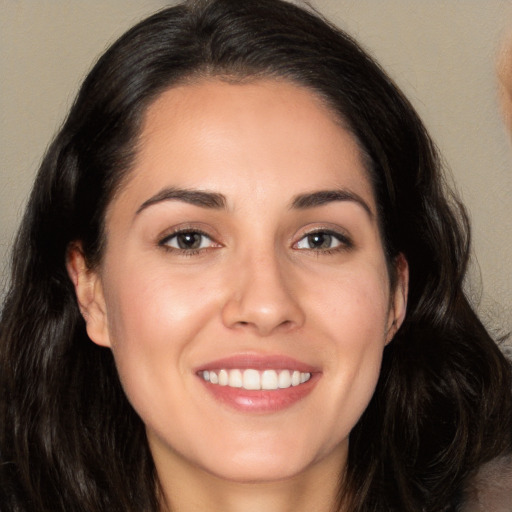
point(89, 294)
point(398, 304)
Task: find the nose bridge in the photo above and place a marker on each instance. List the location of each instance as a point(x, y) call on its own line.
point(262, 295)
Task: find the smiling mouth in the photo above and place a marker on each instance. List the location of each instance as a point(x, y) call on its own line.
point(254, 380)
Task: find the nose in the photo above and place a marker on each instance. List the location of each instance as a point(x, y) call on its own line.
point(262, 297)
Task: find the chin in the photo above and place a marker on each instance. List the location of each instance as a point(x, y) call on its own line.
point(272, 462)
point(262, 471)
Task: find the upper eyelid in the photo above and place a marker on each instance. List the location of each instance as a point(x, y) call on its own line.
point(336, 231)
point(164, 242)
point(344, 238)
point(177, 232)
point(331, 231)
point(187, 228)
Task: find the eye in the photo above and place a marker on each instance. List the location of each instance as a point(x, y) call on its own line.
point(323, 241)
point(188, 241)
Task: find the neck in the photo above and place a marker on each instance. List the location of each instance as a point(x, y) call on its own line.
point(188, 488)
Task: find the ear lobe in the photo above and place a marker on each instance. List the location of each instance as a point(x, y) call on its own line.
point(89, 294)
point(398, 304)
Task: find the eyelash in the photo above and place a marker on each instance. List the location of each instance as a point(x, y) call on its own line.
point(164, 242)
point(345, 243)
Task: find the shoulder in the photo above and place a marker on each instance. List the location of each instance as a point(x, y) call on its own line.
point(490, 489)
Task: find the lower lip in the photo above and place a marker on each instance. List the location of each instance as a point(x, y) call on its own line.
point(261, 401)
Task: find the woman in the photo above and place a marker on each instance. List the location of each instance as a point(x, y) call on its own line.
point(238, 286)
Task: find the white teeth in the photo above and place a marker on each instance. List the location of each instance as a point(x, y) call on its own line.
point(269, 379)
point(254, 380)
point(285, 379)
point(235, 379)
point(223, 378)
point(251, 379)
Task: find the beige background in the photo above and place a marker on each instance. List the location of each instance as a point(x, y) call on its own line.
point(441, 52)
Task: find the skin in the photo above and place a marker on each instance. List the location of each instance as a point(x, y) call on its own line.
point(256, 286)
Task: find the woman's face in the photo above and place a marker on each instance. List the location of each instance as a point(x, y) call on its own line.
point(243, 252)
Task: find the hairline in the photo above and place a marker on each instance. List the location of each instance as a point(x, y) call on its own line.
point(206, 74)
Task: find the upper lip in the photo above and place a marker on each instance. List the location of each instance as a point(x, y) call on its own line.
point(258, 362)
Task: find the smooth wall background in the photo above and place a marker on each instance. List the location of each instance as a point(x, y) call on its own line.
point(441, 53)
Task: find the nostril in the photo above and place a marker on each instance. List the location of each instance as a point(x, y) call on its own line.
point(287, 324)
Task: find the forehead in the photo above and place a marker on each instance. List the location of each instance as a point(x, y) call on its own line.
point(247, 138)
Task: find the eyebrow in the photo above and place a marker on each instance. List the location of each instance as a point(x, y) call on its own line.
point(217, 201)
point(200, 198)
point(323, 197)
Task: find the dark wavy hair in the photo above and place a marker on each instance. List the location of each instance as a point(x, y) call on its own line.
point(69, 440)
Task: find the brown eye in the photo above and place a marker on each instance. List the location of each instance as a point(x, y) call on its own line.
point(319, 241)
point(188, 241)
point(323, 241)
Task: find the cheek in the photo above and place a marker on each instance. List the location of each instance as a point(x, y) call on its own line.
point(154, 320)
point(156, 307)
point(353, 314)
point(359, 325)
point(154, 323)
point(354, 306)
